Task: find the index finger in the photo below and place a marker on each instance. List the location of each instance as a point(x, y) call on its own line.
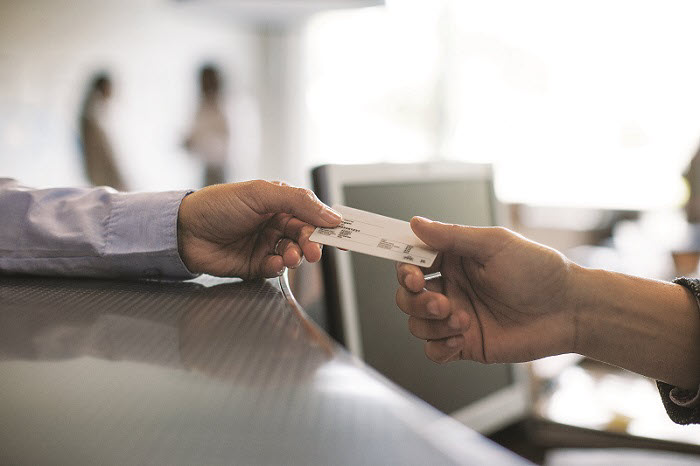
point(300, 202)
point(410, 277)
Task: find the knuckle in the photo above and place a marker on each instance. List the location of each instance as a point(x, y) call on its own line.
point(305, 232)
point(260, 185)
point(454, 232)
point(501, 232)
point(258, 189)
point(289, 245)
point(304, 194)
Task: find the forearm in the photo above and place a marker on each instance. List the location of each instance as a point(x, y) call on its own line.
point(646, 326)
point(89, 232)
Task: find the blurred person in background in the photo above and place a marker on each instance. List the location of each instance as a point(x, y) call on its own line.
point(209, 136)
point(98, 155)
point(692, 177)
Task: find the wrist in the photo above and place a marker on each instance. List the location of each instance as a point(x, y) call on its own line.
point(586, 297)
point(646, 326)
point(183, 232)
point(581, 296)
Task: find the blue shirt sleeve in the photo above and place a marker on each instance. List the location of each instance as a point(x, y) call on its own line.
point(89, 232)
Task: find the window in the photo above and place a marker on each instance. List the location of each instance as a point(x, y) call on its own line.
point(579, 104)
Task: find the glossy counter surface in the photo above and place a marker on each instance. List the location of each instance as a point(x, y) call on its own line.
point(207, 372)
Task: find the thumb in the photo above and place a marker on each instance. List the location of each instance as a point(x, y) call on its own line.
point(302, 203)
point(474, 242)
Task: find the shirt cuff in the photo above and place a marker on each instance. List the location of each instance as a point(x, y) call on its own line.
point(685, 398)
point(141, 235)
point(678, 408)
point(682, 406)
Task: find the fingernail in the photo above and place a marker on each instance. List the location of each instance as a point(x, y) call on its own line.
point(281, 272)
point(422, 220)
point(410, 282)
point(453, 322)
point(452, 342)
point(301, 259)
point(433, 308)
point(330, 215)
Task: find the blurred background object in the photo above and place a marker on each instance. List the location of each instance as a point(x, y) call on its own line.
point(604, 121)
point(209, 136)
point(153, 50)
point(98, 157)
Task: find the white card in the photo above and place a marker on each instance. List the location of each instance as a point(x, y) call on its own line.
point(376, 235)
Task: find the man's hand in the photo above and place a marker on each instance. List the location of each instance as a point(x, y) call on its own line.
point(501, 297)
point(249, 230)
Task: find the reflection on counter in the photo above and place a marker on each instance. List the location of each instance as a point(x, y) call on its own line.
point(208, 372)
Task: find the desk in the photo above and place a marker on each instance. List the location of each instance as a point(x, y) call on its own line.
point(204, 372)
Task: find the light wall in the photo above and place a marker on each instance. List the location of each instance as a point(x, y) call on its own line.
point(48, 51)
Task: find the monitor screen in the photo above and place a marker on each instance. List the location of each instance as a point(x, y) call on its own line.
point(387, 345)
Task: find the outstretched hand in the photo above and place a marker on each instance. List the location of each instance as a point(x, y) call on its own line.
point(251, 229)
point(501, 297)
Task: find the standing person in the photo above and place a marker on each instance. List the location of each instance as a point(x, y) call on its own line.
point(98, 156)
point(209, 136)
point(692, 176)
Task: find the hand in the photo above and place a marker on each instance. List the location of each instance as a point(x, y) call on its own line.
point(249, 230)
point(501, 297)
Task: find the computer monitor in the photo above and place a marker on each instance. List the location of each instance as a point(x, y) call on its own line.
point(360, 289)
